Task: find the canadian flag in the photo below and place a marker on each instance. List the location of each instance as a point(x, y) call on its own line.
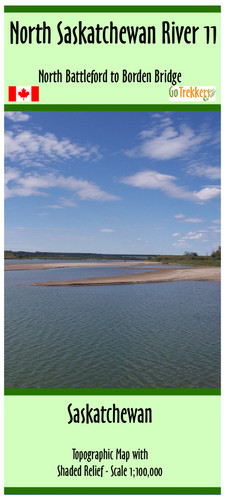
point(23, 94)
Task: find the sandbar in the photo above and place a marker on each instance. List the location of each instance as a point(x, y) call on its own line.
point(29, 266)
point(156, 276)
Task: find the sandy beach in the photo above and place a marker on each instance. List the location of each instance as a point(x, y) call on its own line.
point(151, 275)
point(156, 276)
point(29, 266)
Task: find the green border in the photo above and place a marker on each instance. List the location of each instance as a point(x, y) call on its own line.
point(113, 491)
point(113, 8)
point(112, 107)
point(110, 392)
point(141, 392)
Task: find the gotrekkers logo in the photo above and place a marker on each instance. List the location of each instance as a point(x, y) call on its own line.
point(192, 93)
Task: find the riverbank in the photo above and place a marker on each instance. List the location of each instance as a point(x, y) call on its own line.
point(155, 276)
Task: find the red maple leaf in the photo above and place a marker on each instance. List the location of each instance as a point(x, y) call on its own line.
point(23, 93)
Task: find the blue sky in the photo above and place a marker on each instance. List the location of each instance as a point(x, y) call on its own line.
point(112, 182)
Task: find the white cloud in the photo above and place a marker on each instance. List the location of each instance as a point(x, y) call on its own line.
point(107, 230)
point(68, 203)
point(150, 179)
point(208, 193)
point(17, 116)
point(202, 170)
point(215, 229)
point(35, 184)
point(193, 220)
point(189, 237)
point(26, 146)
point(181, 244)
point(175, 234)
point(11, 174)
point(168, 142)
point(193, 236)
point(54, 206)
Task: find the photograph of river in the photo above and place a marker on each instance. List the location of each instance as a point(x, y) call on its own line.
point(112, 250)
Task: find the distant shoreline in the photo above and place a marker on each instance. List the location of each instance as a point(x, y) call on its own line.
point(157, 276)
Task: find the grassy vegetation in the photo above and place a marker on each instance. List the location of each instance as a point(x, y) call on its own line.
point(190, 259)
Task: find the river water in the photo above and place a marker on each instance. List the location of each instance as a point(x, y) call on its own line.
point(132, 336)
